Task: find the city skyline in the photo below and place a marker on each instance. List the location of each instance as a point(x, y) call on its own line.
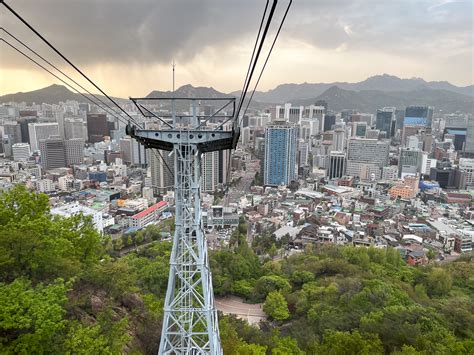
point(346, 40)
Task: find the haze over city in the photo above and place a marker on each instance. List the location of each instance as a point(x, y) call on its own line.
point(129, 49)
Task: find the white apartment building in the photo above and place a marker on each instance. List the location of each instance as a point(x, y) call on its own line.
point(21, 151)
point(72, 209)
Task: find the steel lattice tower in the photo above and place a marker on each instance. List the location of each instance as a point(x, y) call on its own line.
point(190, 319)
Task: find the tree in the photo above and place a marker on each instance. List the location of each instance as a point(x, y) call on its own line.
point(85, 340)
point(37, 245)
point(438, 282)
point(273, 251)
point(347, 343)
point(31, 317)
point(431, 254)
point(267, 284)
point(285, 345)
point(276, 306)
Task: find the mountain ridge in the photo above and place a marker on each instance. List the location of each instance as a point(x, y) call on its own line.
point(367, 98)
point(384, 82)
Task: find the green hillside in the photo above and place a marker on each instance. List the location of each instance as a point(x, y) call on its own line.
point(62, 292)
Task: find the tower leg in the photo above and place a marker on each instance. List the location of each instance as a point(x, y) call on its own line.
point(190, 319)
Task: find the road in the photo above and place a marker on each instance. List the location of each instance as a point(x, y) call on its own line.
point(243, 186)
point(252, 313)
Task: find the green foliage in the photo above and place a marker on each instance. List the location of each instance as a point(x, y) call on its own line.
point(37, 246)
point(438, 282)
point(276, 307)
point(267, 284)
point(31, 317)
point(347, 300)
point(341, 299)
point(42, 313)
point(347, 343)
point(85, 340)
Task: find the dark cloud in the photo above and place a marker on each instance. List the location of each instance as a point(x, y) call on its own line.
point(152, 31)
point(141, 31)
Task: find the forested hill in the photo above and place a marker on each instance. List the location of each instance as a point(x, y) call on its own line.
point(62, 291)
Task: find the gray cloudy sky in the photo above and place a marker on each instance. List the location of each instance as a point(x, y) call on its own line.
point(127, 46)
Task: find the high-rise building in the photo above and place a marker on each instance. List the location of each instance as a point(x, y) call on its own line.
point(339, 140)
point(74, 150)
point(97, 127)
point(303, 153)
point(444, 174)
point(427, 163)
point(210, 171)
point(21, 151)
point(329, 121)
point(418, 116)
point(466, 166)
point(469, 145)
point(75, 128)
point(13, 130)
point(223, 163)
point(280, 153)
point(53, 152)
point(362, 117)
point(161, 178)
point(386, 121)
point(40, 131)
point(366, 157)
point(260, 150)
point(6, 145)
point(410, 162)
point(127, 149)
point(337, 165)
point(359, 129)
point(139, 154)
point(23, 122)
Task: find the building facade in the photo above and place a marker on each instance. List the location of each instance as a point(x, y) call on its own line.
point(280, 153)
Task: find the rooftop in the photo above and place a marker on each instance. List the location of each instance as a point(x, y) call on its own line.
point(150, 210)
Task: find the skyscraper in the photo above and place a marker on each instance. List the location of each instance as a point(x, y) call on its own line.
point(418, 116)
point(469, 145)
point(53, 152)
point(410, 162)
point(39, 131)
point(210, 171)
point(280, 153)
point(23, 122)
point(386, 121)
point(161, 178)
point(97, 127)
point(75, 128)
point(339, 139)
point(13, 130)
point(329, 121)
point(337, 165)
point(74, 150)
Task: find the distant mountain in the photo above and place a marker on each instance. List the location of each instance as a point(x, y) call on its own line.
point(368, 95)
point(370, 100)
point(51, 95)
point(385, 83)
point(189, 91)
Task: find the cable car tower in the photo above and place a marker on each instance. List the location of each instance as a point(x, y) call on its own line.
point(190, 319)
